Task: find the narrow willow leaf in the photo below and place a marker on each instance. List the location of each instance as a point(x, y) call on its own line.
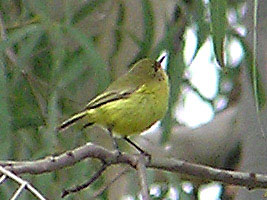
point(18, 35)
point(176, 69)
point(27, 47)
point(174, 32)
point(203, 28)
point(259, 94)
point(38, 90)
point(5, 117)
point(118, 30)
point(53, 111)
point(52, 122)
point(25, 52)
point(218, 28)
point(165, 42)
point(41, 9)
point(149, 30)
point(118, 37)
point(86, 10)
point(4, 114)
point(120, 22)
point(94, 59)
point(76, 69)
point(202, 35)
point(58, 52)
point(135, 39)
point(254, 59)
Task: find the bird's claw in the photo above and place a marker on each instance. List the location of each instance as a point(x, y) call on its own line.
point(118, 153)
point(144, 153)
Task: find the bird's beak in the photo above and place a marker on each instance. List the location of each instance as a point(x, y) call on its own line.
point(161, 60)
point(157, 65)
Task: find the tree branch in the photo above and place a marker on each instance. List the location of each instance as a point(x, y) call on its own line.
point(23, 184)
point(141, 171)
point(49, 164)
point(107, 185)
point(87, 183)
point(249, 180)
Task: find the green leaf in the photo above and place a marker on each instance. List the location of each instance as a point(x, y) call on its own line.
point(5, 117)
point(260, 94)
point(94, 59)
point(53, 111)
point(52, 122)
point(41, 9)
point(118, 30)
point(203, 28)
point(118, 37)
point(176, 69)
point(218, 28)
point(25, 52)
point(174, 32)
point(135, 39)
point(19, 35)
point(27, 47)
point(76, 69)
point(165, 42)
point(119, 23)
point(149, 30)
point(58, 52)
point(86, 10)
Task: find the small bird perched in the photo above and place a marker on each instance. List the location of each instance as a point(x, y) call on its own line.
point(131, 104)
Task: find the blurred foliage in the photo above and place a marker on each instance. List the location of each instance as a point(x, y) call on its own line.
point(218, 28)
point(57, 66)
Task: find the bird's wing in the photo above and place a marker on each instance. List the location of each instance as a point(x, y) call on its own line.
point(109, 96)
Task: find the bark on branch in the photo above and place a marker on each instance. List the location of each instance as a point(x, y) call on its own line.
point(89, 150)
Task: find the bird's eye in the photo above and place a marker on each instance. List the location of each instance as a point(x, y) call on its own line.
point(156, 66)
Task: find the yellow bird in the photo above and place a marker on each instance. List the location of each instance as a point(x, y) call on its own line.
point(131, 104)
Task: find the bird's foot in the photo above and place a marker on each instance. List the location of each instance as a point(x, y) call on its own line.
point(147, 155)
point(118, 153)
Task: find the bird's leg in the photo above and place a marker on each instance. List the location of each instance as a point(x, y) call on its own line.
point(114, 141)
point(137, 147)
point(134, 145)
point(87, 125)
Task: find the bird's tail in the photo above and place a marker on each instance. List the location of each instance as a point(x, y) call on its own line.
point(71, 121)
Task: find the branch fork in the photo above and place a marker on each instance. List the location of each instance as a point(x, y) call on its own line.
point(249, 180)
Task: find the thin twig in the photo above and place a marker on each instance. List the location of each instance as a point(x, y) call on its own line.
point(78, 188)
point(141, 171)
point(34, 191)
point(23, 184)
point(3, 178)
point(107, 185)
point(49, 164)
point(18, 192)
